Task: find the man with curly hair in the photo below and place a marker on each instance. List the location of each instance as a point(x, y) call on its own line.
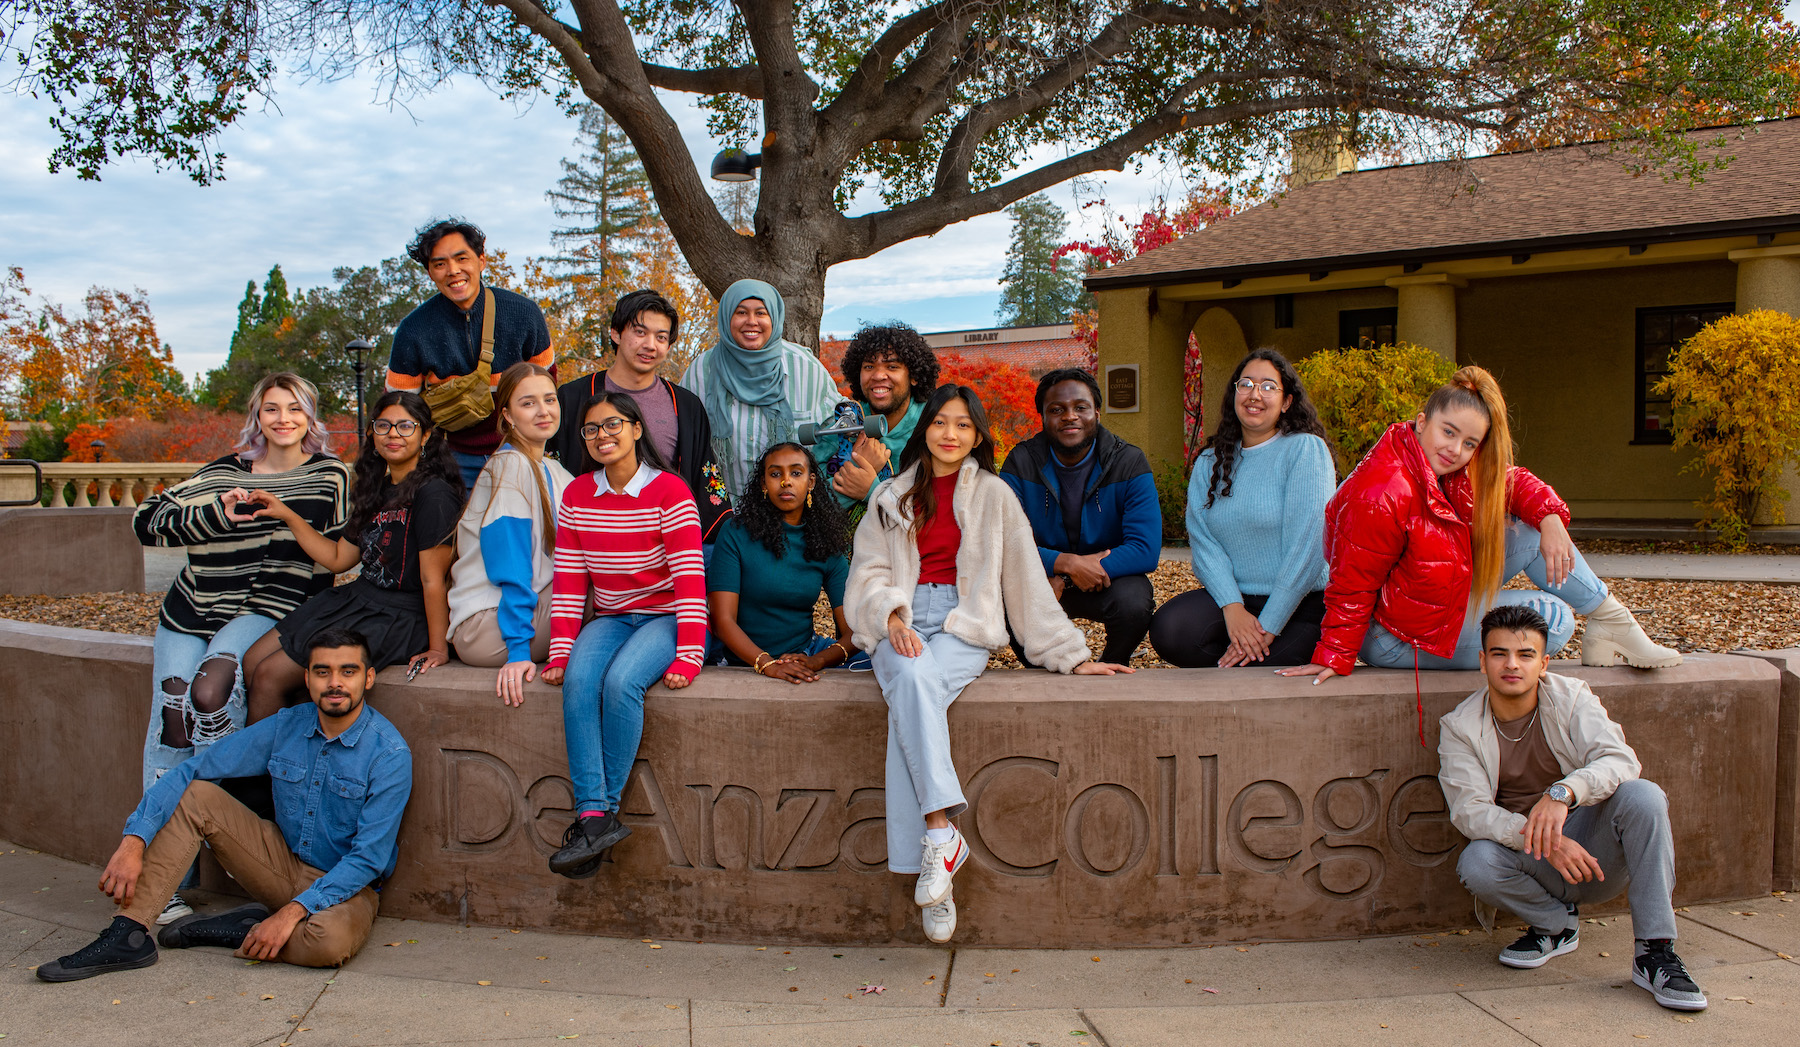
point(441, 339)
point(891, 372)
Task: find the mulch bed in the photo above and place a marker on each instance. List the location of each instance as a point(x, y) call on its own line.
point(1688, 616)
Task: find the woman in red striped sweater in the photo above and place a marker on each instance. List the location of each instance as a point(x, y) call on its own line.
point(628, 544)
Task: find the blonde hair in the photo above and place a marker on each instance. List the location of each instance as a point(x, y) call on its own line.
point(1490, 474)
point(503, 391)
point(252, 445)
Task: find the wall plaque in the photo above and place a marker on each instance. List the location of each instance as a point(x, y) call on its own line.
point(1121, 388)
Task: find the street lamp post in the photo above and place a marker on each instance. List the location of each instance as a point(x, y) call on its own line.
point(356, 349)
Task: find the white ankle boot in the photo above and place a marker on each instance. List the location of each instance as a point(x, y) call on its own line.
point(1613, 633)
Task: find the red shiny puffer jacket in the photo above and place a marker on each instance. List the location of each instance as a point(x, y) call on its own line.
point(1399, 549)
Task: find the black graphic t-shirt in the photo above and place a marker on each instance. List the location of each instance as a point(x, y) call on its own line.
point(392, 540)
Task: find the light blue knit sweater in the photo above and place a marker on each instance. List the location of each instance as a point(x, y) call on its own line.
point(1267, 537)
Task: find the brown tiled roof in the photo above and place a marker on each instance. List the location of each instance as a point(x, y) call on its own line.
point(1507, 203)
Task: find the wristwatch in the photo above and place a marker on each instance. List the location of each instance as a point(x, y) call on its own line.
point(1561, 794)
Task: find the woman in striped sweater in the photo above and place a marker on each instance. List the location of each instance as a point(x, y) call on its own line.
point(243, 573)
point(500, 584)
point(628, 546)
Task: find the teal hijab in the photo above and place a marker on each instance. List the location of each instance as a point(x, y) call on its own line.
point(757, 377)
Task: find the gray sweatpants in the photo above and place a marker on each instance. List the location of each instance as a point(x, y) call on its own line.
point(1628, 834)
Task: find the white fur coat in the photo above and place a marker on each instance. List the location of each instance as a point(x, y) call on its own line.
point(999, 576)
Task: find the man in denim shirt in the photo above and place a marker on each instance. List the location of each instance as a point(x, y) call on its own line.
point(341, 776)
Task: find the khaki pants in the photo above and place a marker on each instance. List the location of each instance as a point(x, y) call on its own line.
point(478, 641)
point(256, 855)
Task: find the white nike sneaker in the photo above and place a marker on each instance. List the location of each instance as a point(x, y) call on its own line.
point(940, 920)
point(939, 864)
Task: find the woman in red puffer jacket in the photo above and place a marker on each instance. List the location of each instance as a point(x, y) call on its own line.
point(1430, 525)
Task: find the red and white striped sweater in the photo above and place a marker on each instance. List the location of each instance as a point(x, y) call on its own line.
point(632, 553)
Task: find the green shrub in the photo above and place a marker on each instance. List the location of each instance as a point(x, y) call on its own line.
point(1171, 494)
point(1360, 392)
point(1735, 388)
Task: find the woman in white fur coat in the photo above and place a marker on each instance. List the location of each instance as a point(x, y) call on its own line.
point(930, 594)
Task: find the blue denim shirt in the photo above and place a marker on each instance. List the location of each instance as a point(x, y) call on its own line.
point(338, 801)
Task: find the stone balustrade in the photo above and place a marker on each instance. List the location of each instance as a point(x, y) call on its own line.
point(134, 481)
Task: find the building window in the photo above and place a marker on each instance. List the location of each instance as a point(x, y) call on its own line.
point(1284, 310)
point(1659, 332)
point(1366, 328)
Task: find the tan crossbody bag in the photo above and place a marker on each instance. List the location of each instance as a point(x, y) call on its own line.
point(460, 402)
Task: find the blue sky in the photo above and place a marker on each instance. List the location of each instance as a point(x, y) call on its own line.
point(327, 177)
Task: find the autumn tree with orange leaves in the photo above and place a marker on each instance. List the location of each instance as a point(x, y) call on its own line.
point(102, 360)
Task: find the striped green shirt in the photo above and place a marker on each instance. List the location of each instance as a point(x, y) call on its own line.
point(810, 393)
point(235, 569)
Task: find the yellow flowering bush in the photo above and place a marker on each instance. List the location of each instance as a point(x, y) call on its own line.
point(1360, 392)
point(1736, 393)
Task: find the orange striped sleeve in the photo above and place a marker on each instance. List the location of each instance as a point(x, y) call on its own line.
point(409, 382)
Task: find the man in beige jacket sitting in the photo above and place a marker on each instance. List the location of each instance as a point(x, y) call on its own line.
point(1540, 780)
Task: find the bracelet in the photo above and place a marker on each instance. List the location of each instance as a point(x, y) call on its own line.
point(760, 664)
point(839, 644)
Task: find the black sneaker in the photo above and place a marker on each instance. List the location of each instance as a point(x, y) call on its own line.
point(585, 841)
point(123, 946)
point(227, 930)
point(1535, 947)
point(1659, 970)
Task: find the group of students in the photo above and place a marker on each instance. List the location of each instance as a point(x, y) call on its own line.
point(622, 530)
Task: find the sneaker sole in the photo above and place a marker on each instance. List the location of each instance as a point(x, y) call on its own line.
point(1672, 1004)
point(170, 937)
point(166, 917)
point(1532, 965)
point(602, 844)
point(59, 974)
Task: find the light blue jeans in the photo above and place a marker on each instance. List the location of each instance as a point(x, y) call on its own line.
point(1580, 593)
point(176, 659)
point(921, 777)
point(614, 661)
point(470, 465)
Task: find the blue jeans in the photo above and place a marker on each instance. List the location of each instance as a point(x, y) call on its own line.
point(471, 465)
point(1580, 593)
point(858, 662)
point(175, 660)
point(921, 777)
point(615, 660)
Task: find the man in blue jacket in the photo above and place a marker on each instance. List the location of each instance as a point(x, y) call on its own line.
point(341, 776)
point(1092, 504)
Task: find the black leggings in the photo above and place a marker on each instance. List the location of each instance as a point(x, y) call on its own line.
point(1189, 630)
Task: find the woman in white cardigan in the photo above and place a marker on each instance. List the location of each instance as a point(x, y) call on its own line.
point(931, 592)
point(500, 585)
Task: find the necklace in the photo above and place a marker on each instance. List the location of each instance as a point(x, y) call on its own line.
point(1522, 733)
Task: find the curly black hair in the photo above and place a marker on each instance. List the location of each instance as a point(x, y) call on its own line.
point(1300, 417)
point(427, 236)
point(435, 462)
point(827, 531)
point(901, 342)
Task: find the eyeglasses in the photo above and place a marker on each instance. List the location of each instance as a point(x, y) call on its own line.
point(612, 426)
point(405, 427)
point(1267, 385)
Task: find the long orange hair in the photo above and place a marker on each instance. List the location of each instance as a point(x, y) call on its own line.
point(1490, 473)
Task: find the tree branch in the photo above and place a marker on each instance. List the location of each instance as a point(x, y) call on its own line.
point(745, 80)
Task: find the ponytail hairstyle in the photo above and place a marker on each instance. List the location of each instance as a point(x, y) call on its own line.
point(252, 445)
point(1228, 438)
point(435, 462)
point(503, 393)
point(1490, 472)
point(920, 501)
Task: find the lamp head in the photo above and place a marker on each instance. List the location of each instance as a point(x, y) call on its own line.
point(735, 165)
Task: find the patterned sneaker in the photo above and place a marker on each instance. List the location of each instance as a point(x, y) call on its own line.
point(1659, 970)
point(1534, 948)
point(123, 946)
point(175, 910)
point(937, 866)
point(940, 920)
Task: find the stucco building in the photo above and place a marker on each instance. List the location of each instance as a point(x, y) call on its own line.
point(1560, 271)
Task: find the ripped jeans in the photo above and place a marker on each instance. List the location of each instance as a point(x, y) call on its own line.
point(182, 665)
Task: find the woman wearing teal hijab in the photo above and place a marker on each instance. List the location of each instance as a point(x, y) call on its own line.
point(757, 386)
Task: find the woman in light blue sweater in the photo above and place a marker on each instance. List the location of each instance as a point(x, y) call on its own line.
point(1255, 519)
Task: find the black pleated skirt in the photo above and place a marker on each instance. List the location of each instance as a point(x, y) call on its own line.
point(392, 622)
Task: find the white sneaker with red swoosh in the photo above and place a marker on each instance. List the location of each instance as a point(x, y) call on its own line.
point(939, 864)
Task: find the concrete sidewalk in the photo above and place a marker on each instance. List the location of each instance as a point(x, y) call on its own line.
point(1684, 567)
point(434, 983)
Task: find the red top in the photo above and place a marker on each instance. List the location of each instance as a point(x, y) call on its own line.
point(941, 536)
point(631, 553)
point(1398, 543)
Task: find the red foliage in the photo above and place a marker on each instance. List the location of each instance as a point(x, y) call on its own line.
point(190, 434)
point(1006, 392)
